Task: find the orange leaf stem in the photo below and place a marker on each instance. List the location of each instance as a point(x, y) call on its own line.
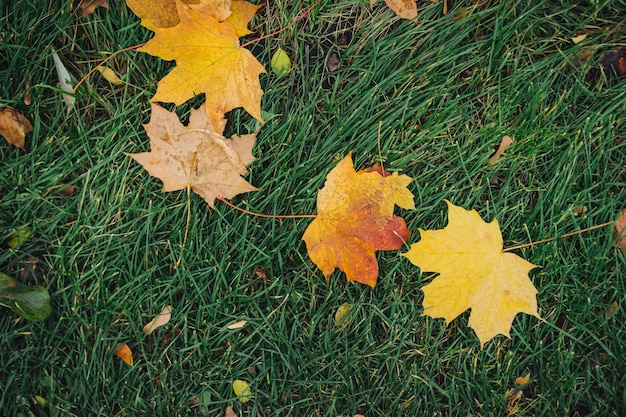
point(130, 48)
point(268, 216)
point(526, 245)
point(306, 12)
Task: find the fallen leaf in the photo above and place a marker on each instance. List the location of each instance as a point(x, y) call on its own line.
point(65, 80)
point(513, 395)
point(164, 317)
point(474, 273)
point(27, 92)
point(612, 310)
point(40, 400)
point(17, 237)
point(355, 219)
point(619, 231)
point(237, 325)
point(242, 390)
point(14, 126)
point(68, 190)
point(230, 412)
point(123, 352)
point(163, 13)
point(110, 75)
point(89, 6)
point(280, 63)
point(341, 315)
point(579, 38)
point(196, 156)
point(404, 9)
point(504, 143)
point(29, 301)
point(210, 60)
point(522, 380)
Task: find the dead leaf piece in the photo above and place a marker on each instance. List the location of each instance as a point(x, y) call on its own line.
point(209, 60)
point(89, 6)
point(14, 126)
point(110, 75)
point(355, 219)
point(619, 231)
point(242, 390)
point(612, 310)
point(404, 9)
point(123, 352)
point(164, 317)
point(237, 325)
point(163, 13)
point(230, 412)
point(504, 143)
point(189, 157)
point(579, 38)
point(522, 380)
point(474, 273)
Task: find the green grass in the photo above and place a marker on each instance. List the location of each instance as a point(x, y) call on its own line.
point(443, 92)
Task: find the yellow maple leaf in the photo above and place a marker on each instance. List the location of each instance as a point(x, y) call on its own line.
point(474, 273)
point(210, 60)
point(163, 13)
point(355, 218)
point(196, 156)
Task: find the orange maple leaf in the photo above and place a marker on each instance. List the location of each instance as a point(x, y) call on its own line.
point(355, 218)
point(209, 60)
point(474, 273)
point(196, 157)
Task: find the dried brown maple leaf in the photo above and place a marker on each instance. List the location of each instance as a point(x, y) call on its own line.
point(355, 219)
point(89, 6)
point(14, 126)
point(210, 60)
point(196, 156)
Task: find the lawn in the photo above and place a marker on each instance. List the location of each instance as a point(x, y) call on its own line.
point(430, 99)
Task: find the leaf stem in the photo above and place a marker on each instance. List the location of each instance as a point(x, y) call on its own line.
point(130, 48)
point(268, 216)
point(306, 12)
point(577, 232)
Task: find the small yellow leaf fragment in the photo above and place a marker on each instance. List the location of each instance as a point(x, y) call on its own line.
point(110, 75)
point(504, 143)
point(522, 380)
point(242, 390)
point(18, 237)
point(163, 318)
point(579, 38)
point(280, 63)
point(123, 352)
point(230, 412)
point(237, 325)
point(359, 415)
point(341, 315)
point(14, 126)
